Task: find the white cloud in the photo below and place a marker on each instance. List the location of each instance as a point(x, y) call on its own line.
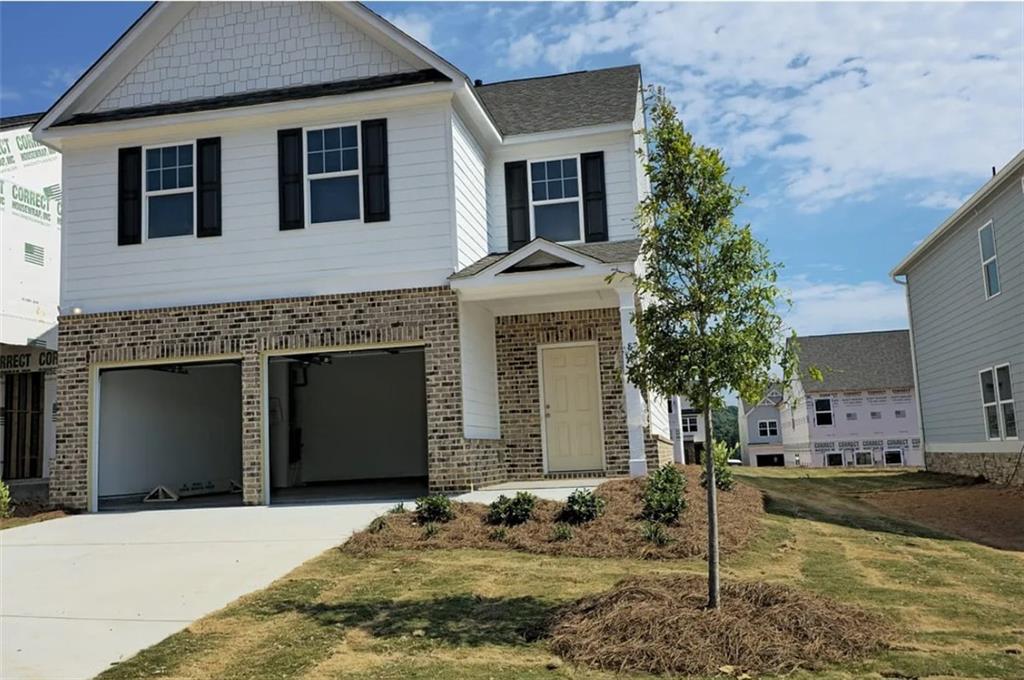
point(524, 51)
point(826, 307)
point(846, 99)
point(942, 200)
point(416, 25)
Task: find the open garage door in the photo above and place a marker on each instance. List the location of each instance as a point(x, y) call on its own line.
point(175, 429)
point(347, 425)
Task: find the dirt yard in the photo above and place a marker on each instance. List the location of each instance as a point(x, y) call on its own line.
point(985, 513)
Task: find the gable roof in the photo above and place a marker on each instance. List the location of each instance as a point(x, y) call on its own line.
point(857, 361)
point(560, 102)
point(606, 252)
point(773, 397)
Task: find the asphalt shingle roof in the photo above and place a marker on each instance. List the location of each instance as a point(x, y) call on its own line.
point(857, 361)
point(561, 102)
point(605, 251)
point(22, 120)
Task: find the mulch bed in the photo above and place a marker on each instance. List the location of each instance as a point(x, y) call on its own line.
point(659, 624)
point(616, 533)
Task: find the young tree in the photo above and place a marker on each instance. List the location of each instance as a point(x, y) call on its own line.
point(708, 319)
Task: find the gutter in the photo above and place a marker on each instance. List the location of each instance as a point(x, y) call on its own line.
point(913, 357)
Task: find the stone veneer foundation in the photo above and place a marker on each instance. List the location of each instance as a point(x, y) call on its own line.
point(1000, 468)
point(247, 331)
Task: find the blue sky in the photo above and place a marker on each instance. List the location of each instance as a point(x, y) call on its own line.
point(857, 128)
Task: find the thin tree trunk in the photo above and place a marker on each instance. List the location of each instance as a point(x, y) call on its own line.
point(709, 463)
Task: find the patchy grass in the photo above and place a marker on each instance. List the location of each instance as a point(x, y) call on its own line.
point(957, 607)
point(22, 520)
point(617, 532)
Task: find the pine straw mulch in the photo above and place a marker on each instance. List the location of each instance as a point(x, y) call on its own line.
point(616, 533)
point(659, 624)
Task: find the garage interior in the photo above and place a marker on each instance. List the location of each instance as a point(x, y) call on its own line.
point(347, 425)
point(175, 426)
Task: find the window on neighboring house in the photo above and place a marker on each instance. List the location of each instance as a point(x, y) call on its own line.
point(989, 261)
point(997, 400)
point(834, 459)
point(170, 195)
point(332, 174)
point(851, 416)
point(555, 199)
point(863, 458)
point(768, 428)
point(876, 415)
point(894, 457)
point(688, 424)
point(822, 411)
point(900, 413)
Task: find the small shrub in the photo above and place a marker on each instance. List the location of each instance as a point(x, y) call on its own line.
point(512, 511)
point(654, 532)
point(430, 529)
point(434, 508)
point(6, 507)
point(663, 495)
point(378, 525)
point(721, 453)
point(582, 506)
point(562, 532)
point(499, 534)
point(397, 510)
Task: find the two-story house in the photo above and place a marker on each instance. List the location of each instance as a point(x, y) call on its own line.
point(303, 252)
point(861, 413)
point(30, 224)
point(965, 299)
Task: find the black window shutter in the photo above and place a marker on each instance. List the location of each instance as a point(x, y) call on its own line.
point(292, 212)
point(595, 207)
point(517, 204)
point(376, 203)
point(129, 196)
point(208, 187)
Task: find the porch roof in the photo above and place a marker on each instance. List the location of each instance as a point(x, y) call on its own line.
point(606, 252)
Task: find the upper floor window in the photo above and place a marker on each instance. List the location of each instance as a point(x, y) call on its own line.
point(989, 261)
point(900, 413)
point(768, 428)
point(850, 415)
point(169, 191)
point(555, 199)
point(688, 424)
point(332, 174)
point(822, 411)
point(876, 415)
point(997, 401)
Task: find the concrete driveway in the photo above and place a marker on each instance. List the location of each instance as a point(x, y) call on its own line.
point(79, 593)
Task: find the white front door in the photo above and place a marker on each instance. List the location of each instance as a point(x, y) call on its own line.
point(572, 408)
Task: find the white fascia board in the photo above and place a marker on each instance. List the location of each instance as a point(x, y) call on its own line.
point(525, 284)
point(568, 133)
point(406, 96)
point(538, 244)
point(952, 221)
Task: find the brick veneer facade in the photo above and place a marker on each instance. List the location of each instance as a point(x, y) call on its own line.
point(516, 341)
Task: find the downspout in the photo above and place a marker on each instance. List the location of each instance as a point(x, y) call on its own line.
point(913, 357)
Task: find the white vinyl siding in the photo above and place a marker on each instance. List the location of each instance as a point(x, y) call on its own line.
point(659, 415)
point(253, 259)
point(469, 167)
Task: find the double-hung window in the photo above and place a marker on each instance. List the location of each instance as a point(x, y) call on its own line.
point(822, 412)
point(332, 174)
point(555, 199)
point(688, 424)
point(989, 261)
point(169, 206)
point(768, 428)
point(997, 401)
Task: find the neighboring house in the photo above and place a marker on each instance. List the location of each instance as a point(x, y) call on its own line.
point(686, 431)
point(30, 223)
point(304, 252)
point(761, 431)
point(861, 414)
point(965, 298)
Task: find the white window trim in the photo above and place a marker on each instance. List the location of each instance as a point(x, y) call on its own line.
point(684, 424)
point(768, 430)
point(555, 201)
point(168, 192)
point(886, 452)
point(867, 451)
point(995, 258)
point(998, 403)
point(307, 178)
point(842, 458)
point(830, 411)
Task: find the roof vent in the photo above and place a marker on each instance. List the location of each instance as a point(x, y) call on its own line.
point(477, 82)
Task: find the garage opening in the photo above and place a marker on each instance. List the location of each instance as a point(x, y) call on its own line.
point(170, 436)
point(347, 425)
point(771, 460)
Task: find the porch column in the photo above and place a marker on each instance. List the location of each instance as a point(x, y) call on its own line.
point(632, 397)
point(675, 427)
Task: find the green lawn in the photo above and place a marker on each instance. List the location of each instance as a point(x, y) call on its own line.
point(481, 614)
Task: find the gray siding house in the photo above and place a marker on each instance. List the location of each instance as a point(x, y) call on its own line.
point(965, 299)
point(761, 432)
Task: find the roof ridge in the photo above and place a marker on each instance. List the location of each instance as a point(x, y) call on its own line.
point(558, 75)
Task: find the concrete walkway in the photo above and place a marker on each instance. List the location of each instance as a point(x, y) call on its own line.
point(82, 592)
